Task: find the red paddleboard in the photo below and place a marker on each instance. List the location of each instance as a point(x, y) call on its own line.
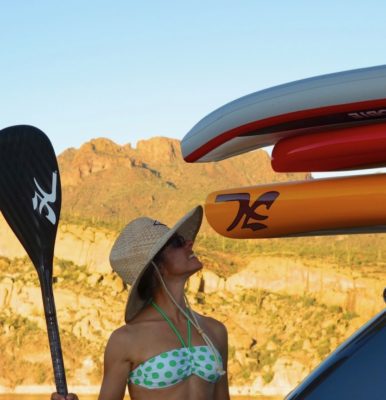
point(335, 150)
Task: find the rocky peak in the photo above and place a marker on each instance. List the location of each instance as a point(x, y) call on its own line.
point(100, 146)
point(159, 149)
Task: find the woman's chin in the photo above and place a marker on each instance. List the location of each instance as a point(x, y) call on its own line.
point(199, 266)
point(196, 266)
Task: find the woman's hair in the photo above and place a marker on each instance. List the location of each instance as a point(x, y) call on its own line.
point(149, 281)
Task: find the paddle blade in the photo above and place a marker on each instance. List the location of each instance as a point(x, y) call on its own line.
point(30, 194)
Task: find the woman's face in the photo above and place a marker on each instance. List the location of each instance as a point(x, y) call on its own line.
point(178, 257)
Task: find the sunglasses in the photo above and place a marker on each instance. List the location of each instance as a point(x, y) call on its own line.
point(176, 241)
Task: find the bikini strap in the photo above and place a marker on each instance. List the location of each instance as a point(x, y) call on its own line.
point(189, 334)
point(170, 323)
point(193, 321)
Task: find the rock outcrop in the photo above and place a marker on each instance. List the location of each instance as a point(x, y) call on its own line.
point(350, 291)
point(82, 245)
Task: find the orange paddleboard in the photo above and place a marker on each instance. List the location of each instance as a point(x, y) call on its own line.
point(354, 204)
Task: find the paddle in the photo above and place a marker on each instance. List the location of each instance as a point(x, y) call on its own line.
point(30, 200)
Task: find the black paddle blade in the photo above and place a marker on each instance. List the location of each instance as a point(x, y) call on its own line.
point(30, 191)
point(30, 200)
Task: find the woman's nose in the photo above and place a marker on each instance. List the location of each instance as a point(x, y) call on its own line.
point(189, 243)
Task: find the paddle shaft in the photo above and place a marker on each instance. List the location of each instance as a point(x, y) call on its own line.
point(53, 331)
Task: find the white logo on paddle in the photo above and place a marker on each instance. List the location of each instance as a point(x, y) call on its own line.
point(45, 198)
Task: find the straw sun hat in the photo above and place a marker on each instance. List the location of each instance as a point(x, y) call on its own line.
point(137, 245)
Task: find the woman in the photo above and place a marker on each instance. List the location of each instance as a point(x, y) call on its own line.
point(165, 350)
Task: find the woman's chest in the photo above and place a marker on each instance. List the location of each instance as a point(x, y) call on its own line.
point(160, 339)
point(191, 388)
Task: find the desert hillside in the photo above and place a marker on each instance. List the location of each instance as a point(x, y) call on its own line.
point(287, 303)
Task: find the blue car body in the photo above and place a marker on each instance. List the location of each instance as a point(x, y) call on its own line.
point(356, 370)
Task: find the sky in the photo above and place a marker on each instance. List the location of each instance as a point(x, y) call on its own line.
point(130, 70)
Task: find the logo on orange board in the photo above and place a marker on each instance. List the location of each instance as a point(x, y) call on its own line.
point(248, 212)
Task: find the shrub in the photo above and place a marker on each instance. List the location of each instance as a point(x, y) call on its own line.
point(268, 376)
point(350, 315)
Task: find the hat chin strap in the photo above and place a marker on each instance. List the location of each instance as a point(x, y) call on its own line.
point(194, 322)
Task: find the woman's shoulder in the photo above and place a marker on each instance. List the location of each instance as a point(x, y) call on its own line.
point(213, 324)
point(129, 330)
point(217, 331)
point(124, 340)
point(134, 329)
point(121, 335)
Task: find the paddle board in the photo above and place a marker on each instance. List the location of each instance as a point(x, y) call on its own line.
point(329, 206)
point(341, 149)
point(342, 99)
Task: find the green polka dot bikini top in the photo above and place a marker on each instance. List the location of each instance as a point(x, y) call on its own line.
point(172, 367)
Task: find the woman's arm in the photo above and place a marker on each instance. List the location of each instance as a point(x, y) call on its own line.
point(221, 391)
point(116, 367)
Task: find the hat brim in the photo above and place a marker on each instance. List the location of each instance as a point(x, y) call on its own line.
point(188, 226)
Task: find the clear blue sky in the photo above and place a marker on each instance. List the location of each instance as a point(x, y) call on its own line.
point(131, 70)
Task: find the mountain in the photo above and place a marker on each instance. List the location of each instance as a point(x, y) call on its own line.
point(111, 184)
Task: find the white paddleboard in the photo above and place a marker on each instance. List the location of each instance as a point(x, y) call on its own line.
point(343, 99)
